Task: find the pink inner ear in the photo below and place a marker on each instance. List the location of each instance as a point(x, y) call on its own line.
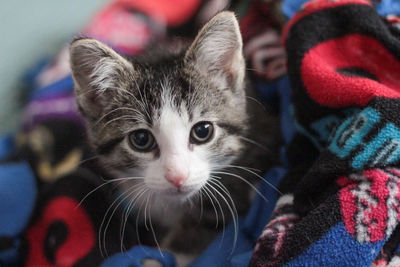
point(227, 61)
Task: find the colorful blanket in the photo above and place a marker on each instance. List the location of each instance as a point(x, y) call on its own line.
point(339, 175)
point(341, 195)
point(47, 216)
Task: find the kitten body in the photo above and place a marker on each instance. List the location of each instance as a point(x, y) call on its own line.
point(191, 104)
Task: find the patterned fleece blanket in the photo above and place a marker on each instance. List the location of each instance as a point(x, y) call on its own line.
point(339, 176)
point(46, 170)
point(341, 196)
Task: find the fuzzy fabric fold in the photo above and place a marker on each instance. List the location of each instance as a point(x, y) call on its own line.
point(341, 203)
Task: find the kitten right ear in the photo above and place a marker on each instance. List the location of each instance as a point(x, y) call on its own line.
point(217, 49)
point(97, 70)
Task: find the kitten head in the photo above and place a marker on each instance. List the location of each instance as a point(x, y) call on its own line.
point(168, 122)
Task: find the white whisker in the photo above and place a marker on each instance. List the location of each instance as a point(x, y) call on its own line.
point(206, 190)
point(234, 217)
point(128, 211)
point(145, 213)
point(123, 117)
point(123, 179)
point(244, 180)
point(137, 222)
point(222, 212)
point(88, 159)
point(256, 101)
point(154, 234)
point(112, 111)
point(201, 203)
point(258, 176)
point(254, 143)
point(144, 103)
point(121, 199)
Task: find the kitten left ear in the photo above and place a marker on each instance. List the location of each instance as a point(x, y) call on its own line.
point(95, 65)
point(217, 49)
point(97, 70)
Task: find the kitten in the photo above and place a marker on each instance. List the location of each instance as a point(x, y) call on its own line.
point(170, 122)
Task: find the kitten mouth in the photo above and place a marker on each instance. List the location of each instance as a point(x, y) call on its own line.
point(178, 192)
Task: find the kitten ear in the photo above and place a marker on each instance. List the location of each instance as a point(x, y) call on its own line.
point(97, 70)
point(217, 49)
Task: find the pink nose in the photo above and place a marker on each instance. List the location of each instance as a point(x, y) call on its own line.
point(176, 180)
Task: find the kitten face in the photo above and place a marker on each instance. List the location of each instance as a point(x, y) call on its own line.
point(168, 122)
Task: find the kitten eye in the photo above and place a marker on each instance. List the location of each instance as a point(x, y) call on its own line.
point(201, 132)
point(142, 140)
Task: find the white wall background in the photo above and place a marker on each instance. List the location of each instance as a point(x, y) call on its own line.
point(29, 31)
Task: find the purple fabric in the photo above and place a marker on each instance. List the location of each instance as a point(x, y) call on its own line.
point(60, 106)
